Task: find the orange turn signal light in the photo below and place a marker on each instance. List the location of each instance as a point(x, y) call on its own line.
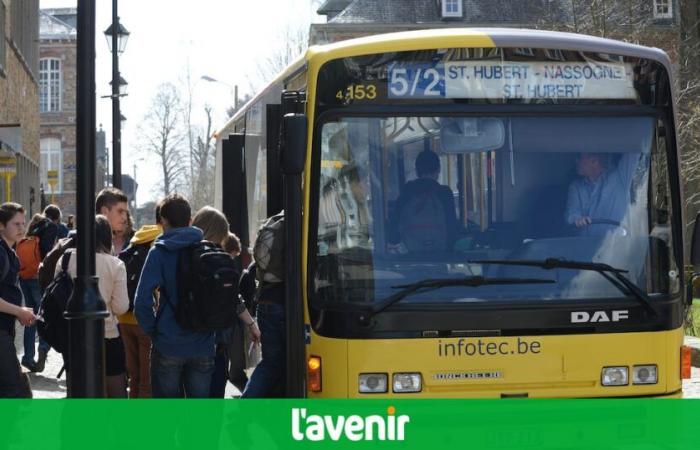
point(313, 374)
point(686, 365)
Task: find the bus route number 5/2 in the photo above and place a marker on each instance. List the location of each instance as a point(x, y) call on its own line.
point(416, 81)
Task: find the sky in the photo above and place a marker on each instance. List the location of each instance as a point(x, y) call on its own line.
point(222, 39)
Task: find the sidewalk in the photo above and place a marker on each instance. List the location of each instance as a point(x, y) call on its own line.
point(46, 385)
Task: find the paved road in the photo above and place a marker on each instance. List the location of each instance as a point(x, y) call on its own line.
point(46, 385)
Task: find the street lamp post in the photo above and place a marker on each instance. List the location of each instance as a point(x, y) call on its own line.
point(233, 90)
point(117, 36)
point(86, 310)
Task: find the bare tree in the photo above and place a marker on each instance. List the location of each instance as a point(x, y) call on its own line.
point(230, 112)
point(293, 41)
point(202, 153)
point(160, 134)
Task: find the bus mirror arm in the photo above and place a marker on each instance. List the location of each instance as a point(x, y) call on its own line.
point(293, 154)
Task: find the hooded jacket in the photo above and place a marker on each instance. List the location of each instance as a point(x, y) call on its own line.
point(146, 234)
point(160, 271)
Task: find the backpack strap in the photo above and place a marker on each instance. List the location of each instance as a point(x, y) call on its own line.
point(5, 261)
point(65, 259)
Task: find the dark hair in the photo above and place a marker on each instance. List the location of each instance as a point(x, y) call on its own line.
point(34, 222)
point(9, 210)
point(53, 213)
point(176, 210)
point(71, 222)
point(232, 244)
point(427, 162)
point(158, 214)
point(108, 197)
point(103, 234)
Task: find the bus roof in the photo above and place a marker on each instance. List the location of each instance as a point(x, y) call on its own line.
point(461, 37)
point(489, 37)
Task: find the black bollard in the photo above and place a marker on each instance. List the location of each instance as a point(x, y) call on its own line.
point(86, 310)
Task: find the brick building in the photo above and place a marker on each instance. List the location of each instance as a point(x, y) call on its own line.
point(649, 22)
point(19, 106)
point(57, 104)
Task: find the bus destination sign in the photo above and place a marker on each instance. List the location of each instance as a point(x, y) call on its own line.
point(512, 80)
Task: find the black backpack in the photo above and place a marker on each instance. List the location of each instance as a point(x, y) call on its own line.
point(53, 328)
point(47, 232)
point(134, 257)
point(423, 223)
point(207, 284)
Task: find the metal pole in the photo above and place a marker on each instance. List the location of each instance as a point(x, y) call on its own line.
point(86, 310)
point(116, 113)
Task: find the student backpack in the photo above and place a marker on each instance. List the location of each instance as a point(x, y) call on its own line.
point(29, 255)
point(207, 284)
point(53, 327)
point(134, 257)
point(47, 269)
point(268, 250)
point(423, 224)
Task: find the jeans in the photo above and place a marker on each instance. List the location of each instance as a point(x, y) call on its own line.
point(219, 378)
point(32, 299)
point(268, 378)
point(13, 383)
point(174, 377)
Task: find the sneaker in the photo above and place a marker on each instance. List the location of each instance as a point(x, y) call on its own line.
point(41, 361)
point(29, 365)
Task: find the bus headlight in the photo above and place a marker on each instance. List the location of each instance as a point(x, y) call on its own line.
point(645, 374)
point(373, 383)
point(407, 382)
point(615, 376)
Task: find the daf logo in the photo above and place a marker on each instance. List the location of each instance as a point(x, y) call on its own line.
point(599, 316)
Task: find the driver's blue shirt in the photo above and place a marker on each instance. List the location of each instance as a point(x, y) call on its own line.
point(607, 198)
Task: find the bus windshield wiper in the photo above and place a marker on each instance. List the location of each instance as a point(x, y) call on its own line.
point(437, 283)
point(614, 275)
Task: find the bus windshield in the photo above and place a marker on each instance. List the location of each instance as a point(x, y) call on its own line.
point(406, 199)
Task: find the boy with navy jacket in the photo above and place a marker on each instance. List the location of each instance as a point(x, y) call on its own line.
point(182, 361)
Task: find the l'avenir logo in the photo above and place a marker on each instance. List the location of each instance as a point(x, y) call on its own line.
point(314, 427)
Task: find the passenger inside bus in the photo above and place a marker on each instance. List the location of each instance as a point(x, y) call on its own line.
point(425, 217)
point(599, 200)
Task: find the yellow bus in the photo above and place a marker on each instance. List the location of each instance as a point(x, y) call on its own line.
point(470, 213)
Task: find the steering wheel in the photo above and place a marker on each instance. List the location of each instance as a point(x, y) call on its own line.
point(615, 223)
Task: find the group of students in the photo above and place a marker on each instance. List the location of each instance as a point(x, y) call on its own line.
point(148, 344)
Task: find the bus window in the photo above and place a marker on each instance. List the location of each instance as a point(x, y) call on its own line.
point(400, 201)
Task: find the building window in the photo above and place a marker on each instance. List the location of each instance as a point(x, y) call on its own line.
point(51, 159)
point(451, 8)
point(50, 85)
point(663, 9)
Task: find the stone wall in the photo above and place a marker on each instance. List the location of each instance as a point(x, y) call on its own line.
point(19, 106)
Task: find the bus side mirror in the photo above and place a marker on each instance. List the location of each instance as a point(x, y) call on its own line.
point(294, 143)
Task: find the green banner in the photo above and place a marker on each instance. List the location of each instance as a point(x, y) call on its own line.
point(349, 424)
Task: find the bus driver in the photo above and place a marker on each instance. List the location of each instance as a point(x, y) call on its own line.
point(602, 193)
